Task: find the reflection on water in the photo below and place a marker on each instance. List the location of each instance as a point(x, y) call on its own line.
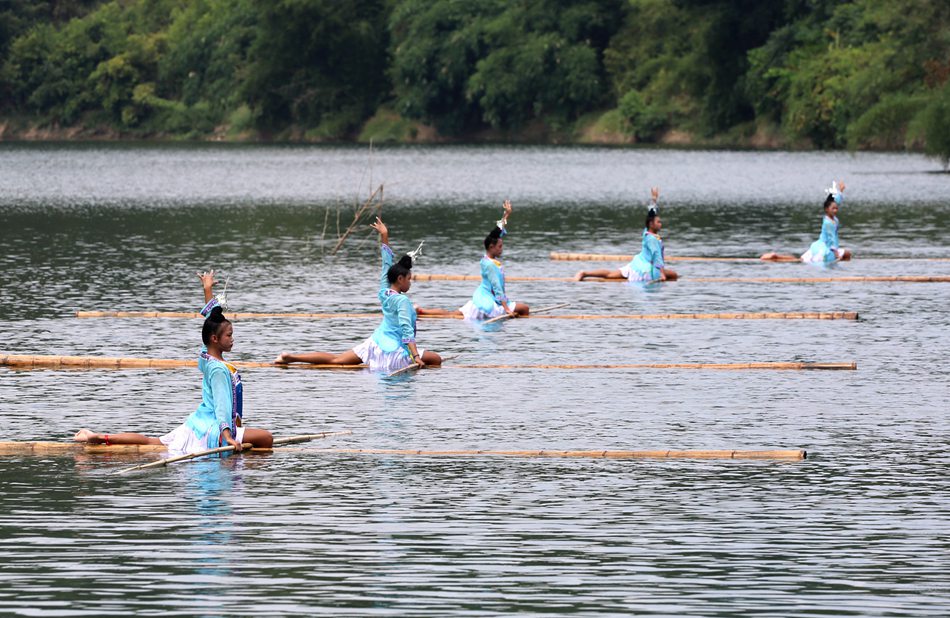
point(858, 528)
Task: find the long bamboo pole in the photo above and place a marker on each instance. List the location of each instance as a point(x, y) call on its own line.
point(91, 362)
point(230, 316)
point(815, 315)
point(225, 449)
point(793, 454)
point(31, 361)
point(46, 448)
point(787, 315)
point(606, 257)
point(852, 366)
point(511, 316)
point(444, 277)
point(846, 279)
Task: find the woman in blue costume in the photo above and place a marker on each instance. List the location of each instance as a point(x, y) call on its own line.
point(218, 420)
point(826, 249)
point(489, 300)
point(393, 345)
point(648, 265)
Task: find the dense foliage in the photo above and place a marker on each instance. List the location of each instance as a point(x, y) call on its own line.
point(827, 73)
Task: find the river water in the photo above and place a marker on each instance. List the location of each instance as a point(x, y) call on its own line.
point(859, 528)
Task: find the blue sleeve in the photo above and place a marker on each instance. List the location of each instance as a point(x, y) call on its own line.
point(221, 392)
point(407, 330)
point(497, 282)
point(829, 234)
point(387, 255)
point(656, 250)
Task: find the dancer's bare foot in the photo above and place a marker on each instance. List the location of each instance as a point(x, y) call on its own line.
point(84, 435)
point(579, 276)
point(281, 359)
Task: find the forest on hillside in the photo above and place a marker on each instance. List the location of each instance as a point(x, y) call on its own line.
point(860, 74)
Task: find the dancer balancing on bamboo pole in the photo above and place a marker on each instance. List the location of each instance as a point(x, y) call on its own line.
point(648, 265)
point(393, 345)
point(826, 249)
point(489, 300)
point(219, 418)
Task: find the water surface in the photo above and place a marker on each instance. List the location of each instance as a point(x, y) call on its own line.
point(857, 529)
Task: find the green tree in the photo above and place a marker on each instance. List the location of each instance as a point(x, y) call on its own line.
point(933, 125)
point(463, 65)
point(435, 47)
point(317, 61)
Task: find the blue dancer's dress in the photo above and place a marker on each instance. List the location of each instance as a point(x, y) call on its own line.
point(386, 349)
point(646, 265)
point(826, 249)
point(222, 406)
point(485, 303)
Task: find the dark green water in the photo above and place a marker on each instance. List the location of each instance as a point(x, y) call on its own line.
point(860, 528)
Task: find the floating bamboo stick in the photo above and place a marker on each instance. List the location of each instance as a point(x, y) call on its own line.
point(787, 315)
point(606, 257)
point(721, 366)
point(225, 449)
point(862, 279)
point(92, 362)
point(507, 316)
point(29, 361)
point(52, 448)
point(443, 277)
point(794, 454)
point(826, 315)
point(866, 279)
point(65, 448)
point(230, 316)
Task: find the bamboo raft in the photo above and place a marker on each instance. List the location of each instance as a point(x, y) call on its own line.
point(788, 315)
point(66, 448)
point(794, 366)
point(73, 448)
point(845, 279)
point(606, 257)
point(31, 361)
point(34, 361)
point(231, 316)
point(794, 454)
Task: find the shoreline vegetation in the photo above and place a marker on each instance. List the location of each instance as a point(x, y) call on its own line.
point(387, 127)
point(823, 75)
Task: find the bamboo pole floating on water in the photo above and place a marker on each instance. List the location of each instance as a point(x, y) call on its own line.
point(788, 315)
point(92, 362)
point(852, 366)
point(31, 361)
point(46, 448)
point(606, 257)
point(413, 366)
point(846, 279)
point(512, 316)
point(791, 454)
point(53, 448)
point(224, 449)
point(230, 316)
